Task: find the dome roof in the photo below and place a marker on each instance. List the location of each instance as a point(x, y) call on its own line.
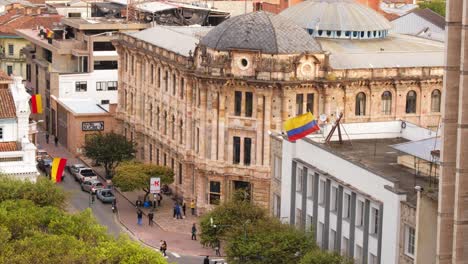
point(336, 15)
point(261, 31)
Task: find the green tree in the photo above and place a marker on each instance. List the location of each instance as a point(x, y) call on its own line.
point(43, 192)
point(437, 6)
point(324, 257)
point(269, 241)
point(132, 175)
point(109, 149)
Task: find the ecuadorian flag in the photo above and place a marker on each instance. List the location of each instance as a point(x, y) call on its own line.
point(58, 164)
point(36, 104)
point(300, 126)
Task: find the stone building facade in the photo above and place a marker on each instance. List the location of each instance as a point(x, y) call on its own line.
point(407, 243)
point(205, 105)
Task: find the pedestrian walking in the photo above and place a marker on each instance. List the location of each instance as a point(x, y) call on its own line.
point(47, 137)
point(159, 199)
point(206, 260)
point(194, 232)
point(56, 141)
point(139, 217)
point(164, 248)
point(178, 212)
point(184, 207)
point(161, 245)
point(150, 218)
point(217, 249)
point(192, 207)
point(175, 210)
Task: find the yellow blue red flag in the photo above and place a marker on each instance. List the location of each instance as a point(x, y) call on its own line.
point(300, 126)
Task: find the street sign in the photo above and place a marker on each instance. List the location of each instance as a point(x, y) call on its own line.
point(155, 185)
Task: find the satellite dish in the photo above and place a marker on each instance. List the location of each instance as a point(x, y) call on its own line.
point(323, 117)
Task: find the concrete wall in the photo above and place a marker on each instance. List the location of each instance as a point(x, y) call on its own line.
point(10, 129)
point(426, 233)
point(67, 85)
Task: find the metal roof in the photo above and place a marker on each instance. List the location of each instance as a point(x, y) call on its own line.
point(394, 51)
point(336, 15)
point(165, 37)
point(420, 149)
point(260, 31)
point(82, 106)
point(421, 22)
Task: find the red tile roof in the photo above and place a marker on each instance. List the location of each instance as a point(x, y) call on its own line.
point(7, 104)
point(17, 19)
point(4, 77)
point(8, 146)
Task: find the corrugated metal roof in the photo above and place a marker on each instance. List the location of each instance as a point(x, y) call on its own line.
point(165, 36)
point(415, 23)
point(339, 15)
point(394, 51)
point(82, 106)
point(420, 149)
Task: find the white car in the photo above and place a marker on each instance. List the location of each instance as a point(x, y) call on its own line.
point(82, 173)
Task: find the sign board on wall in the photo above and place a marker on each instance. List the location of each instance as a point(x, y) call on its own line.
point(92, 126)
point(155, 185)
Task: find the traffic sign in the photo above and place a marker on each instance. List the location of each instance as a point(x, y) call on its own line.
point(155, 185)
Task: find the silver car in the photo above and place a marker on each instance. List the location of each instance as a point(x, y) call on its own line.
point(91, 186)
point(105, 195)
point(82, 173)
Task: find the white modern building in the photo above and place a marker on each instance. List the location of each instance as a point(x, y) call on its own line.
point(353, 195)
point(17, 152)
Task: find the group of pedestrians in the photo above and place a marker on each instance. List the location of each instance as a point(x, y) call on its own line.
point(47, 136)
point(178, 210)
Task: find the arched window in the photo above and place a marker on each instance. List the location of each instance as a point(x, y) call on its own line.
point(157, 118)
point(411, 102)
point(435, 101)
point(181, 133)
point(360, 104)
point(173, 124)
point(386, 103)
point(165, 122)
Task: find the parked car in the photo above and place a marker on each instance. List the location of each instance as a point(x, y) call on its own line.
point(91, 186)
point(82, 173)
point(105, 195)
point(44, 164)
point(40, 153)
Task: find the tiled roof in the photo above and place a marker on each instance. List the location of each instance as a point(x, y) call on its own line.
point(8, 146)
point(16, 19)
point(4, 77)
point(7, 104)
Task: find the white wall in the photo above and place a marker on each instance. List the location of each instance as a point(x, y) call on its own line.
point(10, 129)
point(359, 178)
point(67, 85)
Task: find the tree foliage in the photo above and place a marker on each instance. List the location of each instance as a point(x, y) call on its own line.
point(34, 232)
point(324, 257)
point(132, 175)
point(109, 149)
point(437, 6)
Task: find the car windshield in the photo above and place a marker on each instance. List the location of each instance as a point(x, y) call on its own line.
point(98, 184)
point(107, 194)
point(87, 172)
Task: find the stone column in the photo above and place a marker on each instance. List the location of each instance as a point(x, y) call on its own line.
point(449, 133)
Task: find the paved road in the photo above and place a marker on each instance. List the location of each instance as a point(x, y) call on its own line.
point(79, 201)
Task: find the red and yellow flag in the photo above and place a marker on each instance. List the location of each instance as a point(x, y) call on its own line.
point(58, 164)
point(36, 104)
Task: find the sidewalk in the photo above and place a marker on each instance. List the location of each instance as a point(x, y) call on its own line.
point(176, 233)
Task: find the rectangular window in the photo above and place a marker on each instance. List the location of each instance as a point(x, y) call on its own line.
point(198, 140)
point(165, 159)
point(299, 103)
point(372, 259)
point(103, 102)
point(172, 164)
point(133, 65)
point(112, 86)
point(150, 152)
point(159, 77)
point(409, 241)
point(310, 186)
point(309, 221)
point(157, 156)
point(166, 81)
point(215, 192)
point(101, 86)
point(345, 246)
point(277, 167)
point(276, 205)
point(299, 177)
point(237, 103)
point(310, 103)
point(248, 104)
point(374, 227)
point(334, 199)
point(81, 86)
point(247, 151)
point(1, 132)
point(360, 213)
point(358, 254)
point(9, 70)
point(152, 74)
point(11, 49)
point(198, 97)
point(105, 65)
point(174, 84)
point(332, 240)
point(322, 192)
point(28, 72)
point(74, 14)
point(180, 173)
point(346, 205)
point(236, 149)
point(298, 218)
point(320, 234)
point(182, 88)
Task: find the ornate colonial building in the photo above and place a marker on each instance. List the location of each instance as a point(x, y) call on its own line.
point(202, 100)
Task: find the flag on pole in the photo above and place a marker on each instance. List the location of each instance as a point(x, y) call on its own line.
point(300, 126)
point(36, 104)
point(58, 164)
